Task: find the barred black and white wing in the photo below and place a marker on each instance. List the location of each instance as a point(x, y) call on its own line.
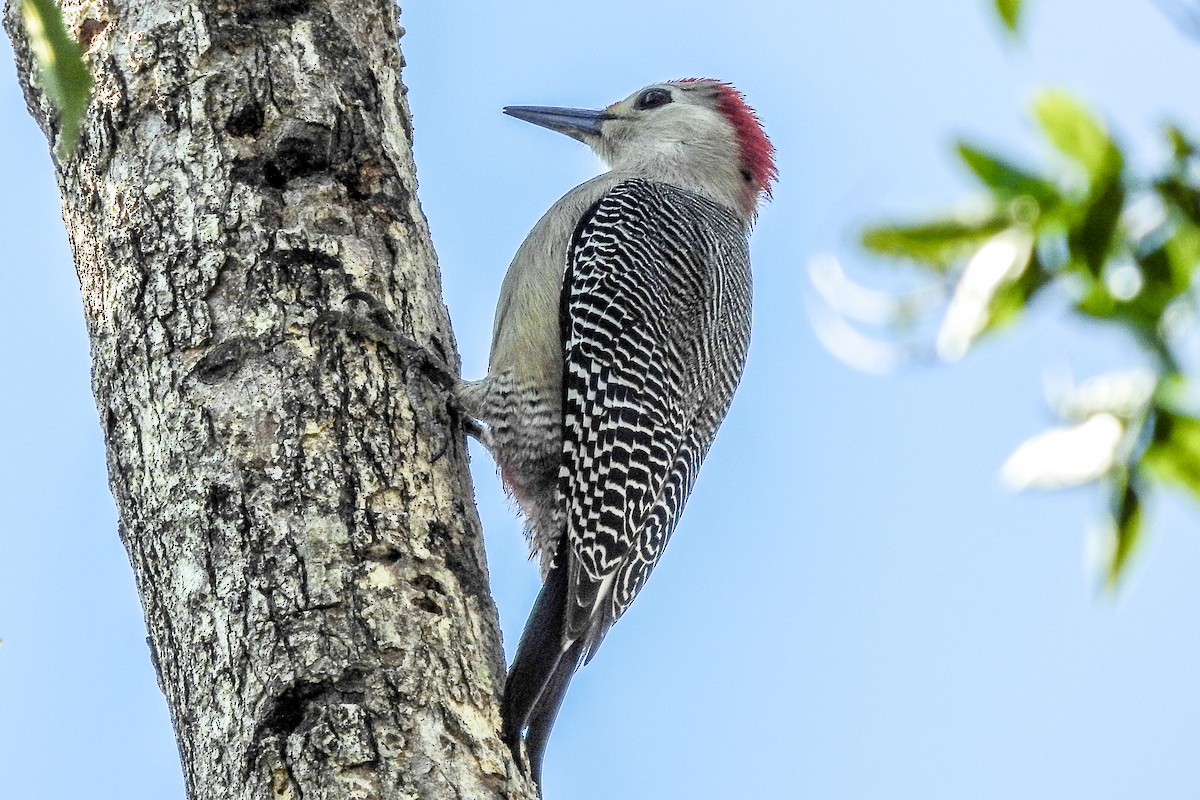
point(655, 317)
point(655, 322)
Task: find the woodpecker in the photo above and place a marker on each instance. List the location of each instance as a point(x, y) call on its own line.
point(620, 335)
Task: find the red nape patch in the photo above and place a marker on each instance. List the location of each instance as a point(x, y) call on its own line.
point(506, 480)
point(758, 154)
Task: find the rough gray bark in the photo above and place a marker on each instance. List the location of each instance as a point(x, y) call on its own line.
point(299, 517)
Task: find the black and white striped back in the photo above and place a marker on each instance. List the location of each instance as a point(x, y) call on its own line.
point(655, 315)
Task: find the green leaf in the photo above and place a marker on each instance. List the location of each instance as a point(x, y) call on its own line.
point(1007, 180)
point(1176, 193)
point(1010, 13)
point(1140, 314)
point(1174, 451)
point(1097, 302)
point(1159, 287)
point(1183, 248)
point(1127, 518)
point(938, 243)
point(1181, 146)
point(1091, 238)
point(65, 78)
point(1077, 134)
point(1164, 276)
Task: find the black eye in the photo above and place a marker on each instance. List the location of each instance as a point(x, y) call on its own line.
point(652, 98)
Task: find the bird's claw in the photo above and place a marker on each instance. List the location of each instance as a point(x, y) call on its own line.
point(376, 311)
point(379, 325)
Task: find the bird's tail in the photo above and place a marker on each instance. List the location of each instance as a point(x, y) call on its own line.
point(540, 675)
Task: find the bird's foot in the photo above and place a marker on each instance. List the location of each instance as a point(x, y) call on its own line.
point(379, 326)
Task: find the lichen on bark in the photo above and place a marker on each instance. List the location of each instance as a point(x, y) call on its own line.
point(298, 514)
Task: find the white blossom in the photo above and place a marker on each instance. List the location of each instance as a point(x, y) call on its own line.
point(1066, 456)
point(999, 261)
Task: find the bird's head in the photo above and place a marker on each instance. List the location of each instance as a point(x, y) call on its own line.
point(696, 133)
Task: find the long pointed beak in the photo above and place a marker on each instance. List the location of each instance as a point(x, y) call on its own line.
point(578, 123)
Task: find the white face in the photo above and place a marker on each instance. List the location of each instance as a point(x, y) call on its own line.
point(666, 121)
point(678, 133)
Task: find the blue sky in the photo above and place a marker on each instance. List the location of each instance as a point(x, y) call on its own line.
point(853, 606)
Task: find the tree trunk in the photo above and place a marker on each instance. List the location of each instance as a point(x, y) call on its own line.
point(299, 516)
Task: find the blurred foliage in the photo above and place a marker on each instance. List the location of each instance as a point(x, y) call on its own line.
point(65, 77)
point(1010, 13)
point(1124, 249)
